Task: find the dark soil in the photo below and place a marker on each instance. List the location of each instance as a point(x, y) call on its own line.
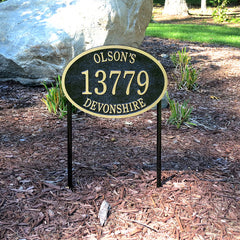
point(115, 159)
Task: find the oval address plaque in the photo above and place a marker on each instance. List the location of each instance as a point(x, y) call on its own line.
point(114, 81)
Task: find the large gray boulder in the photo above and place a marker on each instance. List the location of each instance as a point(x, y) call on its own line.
point(38, 38)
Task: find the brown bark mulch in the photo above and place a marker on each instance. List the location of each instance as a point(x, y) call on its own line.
point(115, 160)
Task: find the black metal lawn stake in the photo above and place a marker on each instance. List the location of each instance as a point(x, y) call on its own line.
point(159, 144)
point(69, 127)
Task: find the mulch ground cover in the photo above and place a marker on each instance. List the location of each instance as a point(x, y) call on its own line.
point(115, 160)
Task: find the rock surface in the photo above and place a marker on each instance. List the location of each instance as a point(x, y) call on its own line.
point(38, 38)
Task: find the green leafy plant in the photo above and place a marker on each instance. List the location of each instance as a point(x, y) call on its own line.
point(55, 99)
point(235, 20)
point(180, 113)
point(220, 13)
point(189, 78)
point(185, 75)
point(181, 59)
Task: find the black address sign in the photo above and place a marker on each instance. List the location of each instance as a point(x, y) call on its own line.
point(114, 81)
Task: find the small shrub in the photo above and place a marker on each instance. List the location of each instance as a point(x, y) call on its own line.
point(220, 13)
point(180, 113)
point(55, 99)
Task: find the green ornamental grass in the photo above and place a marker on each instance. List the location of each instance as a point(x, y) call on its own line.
point(180, 113)
point(185, 75)
point(55, 99)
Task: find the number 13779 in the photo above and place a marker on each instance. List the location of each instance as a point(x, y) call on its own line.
point(116, 76)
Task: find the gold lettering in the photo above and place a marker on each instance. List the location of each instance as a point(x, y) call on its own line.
point(135, 104)
point(125, 108)
point(97, 58)
point(132, 56)
point(106, 108)
point(103, 60)
point(100, 106)
point(117, 56)
point(124, 56)
point(142, 104)
point(87, 103)
point(131, 109)
point(112, 108)
point(110, 56)
point(119, 109)
point(93, 106)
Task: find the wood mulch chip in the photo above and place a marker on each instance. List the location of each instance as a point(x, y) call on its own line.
point(115, 160)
